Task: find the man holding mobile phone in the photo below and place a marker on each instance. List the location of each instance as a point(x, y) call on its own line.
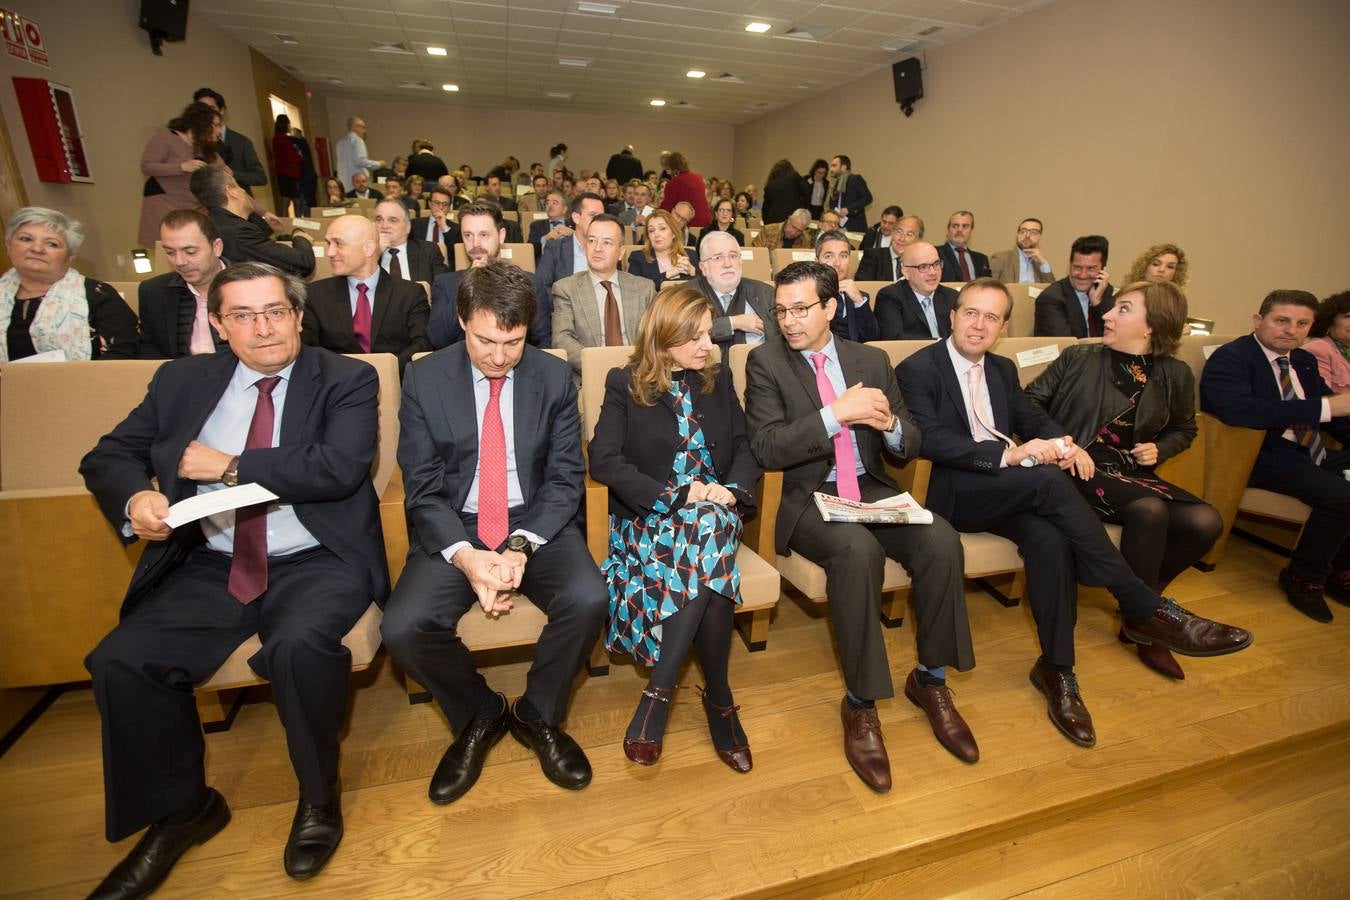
point(1074, 306)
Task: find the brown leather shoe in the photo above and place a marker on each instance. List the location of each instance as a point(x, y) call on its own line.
point(1065, 704)
point(864, 747)
point(643, 750)
point(1178, 629)
point(737, 754)
point(1156, 658)
point(949, 728)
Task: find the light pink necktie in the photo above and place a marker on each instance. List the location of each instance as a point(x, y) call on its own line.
point(845, 469)
point(201, 340)
point(983, 427)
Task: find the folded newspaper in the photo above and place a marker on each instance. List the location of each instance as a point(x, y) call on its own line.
point(898, 510)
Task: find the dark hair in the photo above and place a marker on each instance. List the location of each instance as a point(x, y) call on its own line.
point(482, 208)
point(197, 119)
point(893, 210)
point(1039, 223)
point(282, 124)
point(1327, 312)
point(252, 271)
point(818, 164)
point(749, 201)
point(781, 168)
point(676, 163)
point(844, 161)
point(504, 290)
point(831, 234)
point(606, 217)
point(985, 283)
point(444, 192)
point(556, 149)
point(207, 92)
point(574, 208)
point(827, 283)
point(422, 144)
point(208, 186)
point(1289, 297)
point(181, 218)
point(1089, 244)
point(393, 179)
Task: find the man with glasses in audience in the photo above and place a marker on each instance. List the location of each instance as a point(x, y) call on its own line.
point(1024, 264)
point(883, 263)
point(402, 255)
point(853, 316)
point(919, 307)
point(437, 228)
point(959, 262)
point(741, 305)
point(1074, 306)
point(552, 227)
point(299, 570)
point(823, 409)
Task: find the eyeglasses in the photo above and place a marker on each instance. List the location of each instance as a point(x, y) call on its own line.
point(439, 204)
point(933, 266)
point(908, 234)
point(722, 259)
point(798, 312)
point(274, 316)
point(1028, 231)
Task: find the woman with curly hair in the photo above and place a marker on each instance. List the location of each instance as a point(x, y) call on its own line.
point(1330, 341)
point(188, 142)
point(1161, 262)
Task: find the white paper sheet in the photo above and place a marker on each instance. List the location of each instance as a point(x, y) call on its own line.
point(43, 357)
point(212, 502)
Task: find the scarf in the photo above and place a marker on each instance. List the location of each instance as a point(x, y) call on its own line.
point(62, 321)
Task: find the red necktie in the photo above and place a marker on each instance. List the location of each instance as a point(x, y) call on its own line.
point(964, 259)
point(361, 318)
point(1094, 325)
point(248, 567)
point(492, 515)
point(845, 469)
point(435, 231)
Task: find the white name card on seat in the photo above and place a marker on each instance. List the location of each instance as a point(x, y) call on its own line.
point(1038, 355)
point(747, 254)
point(1209, 349)
point(506, 253)
point(329, 213)
point(802, 256)
point(308, 224)
point(319, 250)
point(1033, 292)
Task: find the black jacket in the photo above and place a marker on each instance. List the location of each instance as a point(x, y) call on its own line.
point(430, 166)
point(783, 196)
point(167, 310)
point(251, 239)
point(623, 167)
point(1059, 314)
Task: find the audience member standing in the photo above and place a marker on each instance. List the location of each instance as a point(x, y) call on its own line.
point(850, 196)
point(186, 144)
point(352, 156)
point(818, 188)
point(308, 174)
point(286, 162)
point(624, 166)
point(425, 162)
point(686, 186)
point(784, 192)
point(235, 149)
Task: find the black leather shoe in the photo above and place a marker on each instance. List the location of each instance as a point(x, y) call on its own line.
point(316, 832)
point(149, 862)
point(1305, 596)
point(462, 763)
point(559, 756)
point(1338, 587)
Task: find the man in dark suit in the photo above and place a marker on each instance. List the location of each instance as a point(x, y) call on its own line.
point(822, 409)
point(959, 262)
point(850, 196)
point(246, 235)
point(362, 308)
point(361, 189)
point(624, 166)
point(494, 193)
point(742, 305)
point(490, 448)
point(235, 150)
point(967, 402)
point(425, 162)
point(172, 306)
point(300, 571)
point(879, 264)
point(853, 319)
point(555, 208)
point(438, 227)
point(1074, 306)
point(1265, 381)
point(565, 255)
point(919, 307)
point(878, 237)
point(402, 255)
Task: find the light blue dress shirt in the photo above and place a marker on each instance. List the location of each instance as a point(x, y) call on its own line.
point(578, 256)
point(926, 304)
point(352, 295)
point(751, 338)
point(835, 373)
point(1086, 304)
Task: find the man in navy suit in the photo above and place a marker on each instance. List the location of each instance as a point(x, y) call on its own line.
point(959, 262)
point(490, 448)
point(918, 307)
point(1075, 306)
point(853, 317)
point(300, 571)
point(555, 211)
point(851, 194)
point(966, 402)
point(1265, 381)
point(438, 227)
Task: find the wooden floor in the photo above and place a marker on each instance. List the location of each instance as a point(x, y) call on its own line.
point(1233, 782)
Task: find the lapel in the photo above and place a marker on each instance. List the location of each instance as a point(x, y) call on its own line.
point(806, 376)
point(629, 286)
point(738, 304)
point(584, 307)
point(1000, 395)
point(947, 375)
point(300, 395)
point(384, 290)
point(942, 309)
point(527, 403)
point(910, 301)
point(210, 387)
point(458, 408)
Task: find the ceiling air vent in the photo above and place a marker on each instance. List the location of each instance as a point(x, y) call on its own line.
point(415, 85)
point(390, 47)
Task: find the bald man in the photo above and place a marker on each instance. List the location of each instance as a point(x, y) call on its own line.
point(918, 307)
point(362, 309)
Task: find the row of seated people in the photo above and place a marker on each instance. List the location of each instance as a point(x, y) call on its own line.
point(491, 454)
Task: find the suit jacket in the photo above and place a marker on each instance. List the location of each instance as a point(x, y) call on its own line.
point(928, 381)
point(634, 446)
point(539, 228)
point(623, 167)
point(1006, 266)
point(424, 260)
point(901, 317)
point(951, 271)
point(1238, 385)
point(251, 239)
point(430, 166)
point(450, 236)
point(782, 409)
point(639, 266)
point(329, 426)
point(374, 195)
point(576, 316)
point(783, 196)
point(237, 152)
point(855, 323)
point(756, 295)
point(857, 195)
point(877, 264)
point(869, 239)
point(438, 446)
point(1059, 314)
point(443, 327)
point(771, 236)
point(165, 305)
point(553, 264)
point(398, 318)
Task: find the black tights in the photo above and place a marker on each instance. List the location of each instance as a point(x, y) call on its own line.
point(1161, 539)
point(705, 624)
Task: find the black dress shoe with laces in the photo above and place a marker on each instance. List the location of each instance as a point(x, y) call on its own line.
point(316, 832)
point(149, 862)
point(1305, 596)
point(560, 757)
point(462, 763)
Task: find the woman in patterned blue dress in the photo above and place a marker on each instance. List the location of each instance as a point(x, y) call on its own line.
point(671, 445)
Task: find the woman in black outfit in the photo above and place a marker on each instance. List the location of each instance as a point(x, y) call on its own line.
point(818, 188)
point(724, 218)
point(784, 192)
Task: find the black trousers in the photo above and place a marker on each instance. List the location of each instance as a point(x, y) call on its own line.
point(854, 558)
point(144, 670)
point(1323, 548)
point(1062, 543)
point(421, 616)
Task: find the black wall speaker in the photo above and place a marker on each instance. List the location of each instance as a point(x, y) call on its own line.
point(908, 83)
point(165, 20)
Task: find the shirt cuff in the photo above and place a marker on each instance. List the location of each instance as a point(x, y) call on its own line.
point(449, 552)
point(1003, 460)
point(895, 439)
point(1326, 410)
point(531, 537)
point(859, 304)
point(128, 531)
point(831, 424)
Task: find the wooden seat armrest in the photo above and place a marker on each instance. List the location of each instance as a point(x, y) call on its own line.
point(597, 519)
point(761, 531)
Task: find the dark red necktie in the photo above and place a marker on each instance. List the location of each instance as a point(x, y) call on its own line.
point(361, 319)
point(1094, 325)
point(964, 259)
point(248, 567)
point(492, 513)
point(435, 231)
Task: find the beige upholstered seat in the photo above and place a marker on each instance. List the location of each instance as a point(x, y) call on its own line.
point(521, 255)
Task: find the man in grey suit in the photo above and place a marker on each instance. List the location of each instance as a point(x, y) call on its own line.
point(566, 254)
point(601, 306)
point(745, 304)
point(1024, 264)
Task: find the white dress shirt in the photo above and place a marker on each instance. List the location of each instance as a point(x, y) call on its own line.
point(963, 367)
point(1298, 387)
point(387, 261)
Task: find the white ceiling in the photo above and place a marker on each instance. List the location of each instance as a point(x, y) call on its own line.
point(505, 54)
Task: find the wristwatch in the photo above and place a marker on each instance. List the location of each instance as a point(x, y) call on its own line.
point(231, 476)
point(521, 544)
point(894, 424)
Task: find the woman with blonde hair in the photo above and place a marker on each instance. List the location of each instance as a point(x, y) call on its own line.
point(664, 256)
point(671, 445)
point(1161, 262)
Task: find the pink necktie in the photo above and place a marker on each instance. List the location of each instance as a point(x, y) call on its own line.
point(201, 340)
point(361, 319)
point(492, 513)
point(983, 428)
point(845, 469)
point(248, 564)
